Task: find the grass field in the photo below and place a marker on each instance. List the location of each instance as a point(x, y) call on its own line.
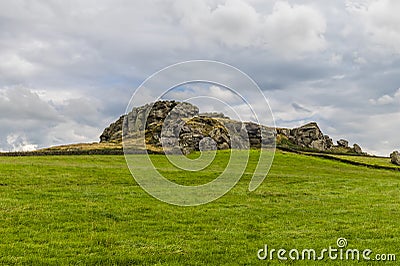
point(379, 161)
point(86, 210)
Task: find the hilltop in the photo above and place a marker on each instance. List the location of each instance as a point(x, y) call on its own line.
point(196, 126)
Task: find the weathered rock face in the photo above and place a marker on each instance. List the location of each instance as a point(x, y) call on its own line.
point(357, 149)
point(395, 157)
point(203, 133)
point(156, 114)
point(174, 112)
point(113, 133)
point(223, 133)
point(343, 143)
point(180, 127)
point(214, 115)
point(308, 136)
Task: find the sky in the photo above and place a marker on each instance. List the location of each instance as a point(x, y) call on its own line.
point(69, 68)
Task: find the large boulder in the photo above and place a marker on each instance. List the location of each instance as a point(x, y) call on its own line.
point(225, 133)
point(113, 133)
point(343, 143)
point(395, 157)
point(309, 136)
point(357, 149)
point(156, 113)
point(203, 133)
point(328, 142)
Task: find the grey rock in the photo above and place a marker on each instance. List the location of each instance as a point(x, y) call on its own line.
point(343, 143)
point(310, 136)
point(180, 127)
point(283, 131)
point(318, 145)
point(113, 133)
point(214, 115)
point(328, 142)
point(208, 144)
point(395, 157)
point(357, 149)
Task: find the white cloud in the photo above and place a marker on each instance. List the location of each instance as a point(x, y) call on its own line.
point(19, 142)
point(220, 93)
point(336, 59)
point(13, 65)
point(72, 132)
point(233, 23)
point(382, 138)
point(381, 22)
point(295, 29)
point(291, 30)
point(359, 60)
point(387, 99)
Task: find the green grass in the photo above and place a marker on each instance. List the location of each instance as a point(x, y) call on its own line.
point(86, 210)
point(379, 161)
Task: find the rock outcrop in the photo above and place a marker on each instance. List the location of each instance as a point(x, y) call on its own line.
point(179, 126)
point(308, 136)
point(113, 133)
point(357, 149)
point(173, 125)
point(343, 143)
point(395, 157)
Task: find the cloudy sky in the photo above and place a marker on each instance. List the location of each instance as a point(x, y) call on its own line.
point(69, 68)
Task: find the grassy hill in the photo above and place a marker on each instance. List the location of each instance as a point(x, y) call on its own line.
point(89, 210)
point(376, 162)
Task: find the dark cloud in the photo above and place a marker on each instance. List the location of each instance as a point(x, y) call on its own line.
point(28, 121)
point(300, 108)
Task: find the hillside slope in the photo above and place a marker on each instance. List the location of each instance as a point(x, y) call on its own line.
point(89, 210)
